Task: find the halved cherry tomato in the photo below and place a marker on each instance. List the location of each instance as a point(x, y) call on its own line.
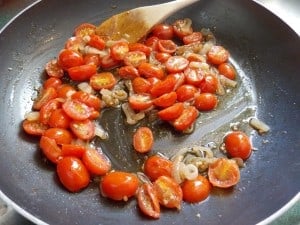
point(65, 90)
point(88, 99)
point(172, 112)
point(194, 57)
point(96, 163)
point(119, 50)
point(76, 110)
point(52, 82)
point(82, 72)
point(34, 127)
point(141, 85)
point(149, 70)
point(206, 101)
point(119, 185)
point(60, 135)
point(167, 46)
point(85, 29)
point(68, 58)
point(186, 92)
point(148, 201)
point(223, 173)
point(196, 190)
point(83, 129)
point(92, 59)
point(143, 140)
point(59, 119)
point(96, 41)
point(156, 166)
point(47, 110)
point(179, 78)
point(128, 72)
point(183, 27)
point(140, 101)
point(165, 100)
point(102, 80)
point(165, 86)
point(75, 43)
point(217, 55)
point(238, 144)
point(72, 173)
point(139, 47)
point(227, 70)
point(192, 38)
point(53, 69)
point(134, 58)
point(152, 42)
point(163, 31)
point(176, 64)
point(72, 150)
point(162, 57)
point(44, 96)
point(193, 76)
point(209, 84)
point(108, 62)
point(186, 119)
point(50, 149)
point(169, 193)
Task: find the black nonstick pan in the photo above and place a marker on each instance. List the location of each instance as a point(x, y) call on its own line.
point(267, 52)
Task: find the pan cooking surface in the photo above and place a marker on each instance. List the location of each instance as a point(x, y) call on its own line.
point(266, 50)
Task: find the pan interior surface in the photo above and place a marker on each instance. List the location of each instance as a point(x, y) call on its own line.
point(267, 54)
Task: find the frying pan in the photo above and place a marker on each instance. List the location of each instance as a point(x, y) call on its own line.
point(266, 50)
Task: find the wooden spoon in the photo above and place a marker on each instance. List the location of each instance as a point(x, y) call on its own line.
point(135, 24)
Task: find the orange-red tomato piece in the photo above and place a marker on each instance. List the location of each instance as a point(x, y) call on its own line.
point(60, 135)
point(156, 166)
point(209, 84)
point(148, 201)
point(165, 100)
point(206, 101)
point(96, 163)
point(128, 72)
point(163, 31)
point(103, 80)
point(186, 92)
point(68, 58)
point(50, 149)
point(172, 112)
point(75, 150)
point(238, 144)
point(140, 101)
point(186, 119)
point(227, 70)
point(83, 129)
point(119, 50)
point(143, 139)
point(44, 96)
point(217, 55)
point(34, 127)
point(53, 69)
point(192, 38)
point(141, 85)
point(96, 41)
point(134, 58)
point(76, 109)
point(82, 72)
point(88, 99)
point(149, 70)
point(54, 82)
point(85, 29)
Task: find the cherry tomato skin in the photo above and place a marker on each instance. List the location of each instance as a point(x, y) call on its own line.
point(165, 86)
point(196, 190)
point(163, 31)
point(53, 69)
point(140, 101)
point(172, 112)
point(152, 42)
point(72, 150)
point(186, 92)
point(162, 57)
point(167, 46)
point(134, 58)
point(149, 70)
point(103, 80)
point(77, 110)
point(44, 97)
point(68, 58)
point(50, 149)
point(169, 193)
point(140, 47)
point(119, 185)
point(165, 100)
point(128, 72)
point(96, 41)
point(156, 166)
point(96, 162)
point(88, 99)
point(193, 76)
point(143, 140)
point(52, 82)
point(65, 91)
point(72, 174)
point(83, 129)
point(119, 50)
point(148, 201)
point(84, 29)
point(182, 27)
point(209, 84)
point(92, 59)
point(75, 43)
point(108, 62)
point(61, 136)
point(35, 127)
point(206, 101)
point(223, 173)
point(176, 64)
point(47, 110)
point(82, 72)
point(237, 144)
point(192, 38)
point(141, 85)
point(227, 70)
point(217, 55)
point(186, 119)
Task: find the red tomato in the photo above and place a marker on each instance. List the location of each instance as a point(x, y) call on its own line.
point(192, 38)
point(209, 84)
point(149, 70)
point(180, 79)
point(176, 64)
point(52, 82)
point(223, 173)
point(172, 112)
point(156, 166)
point(119, 185)
point(82, 72)
point(108, 62)
point(169, 193)
point(162, 57)
point(53, 69)
point(183, 27)
point(128, 72)
point(195, 190)
point(68, 58)
point(119, 50)
point(194, 57)
point(134, 58)
point(50, 149)
point(96, 41)
point(227, 70)
point(96, 163)
point(72, 150)
point(84, 29)
point(139, 47)
point(217, 55)
point(143, 140)
point(163, 31)
point(59, 119)
point(167, 46)
point(165, 100)
point(148, 201)
point(140, 101)
point(47, 110)
point(72, 173)
point(206, 101)
point(141, 85)
point(102, 80)
point(193, 76)
point(88, 99)
point(76, 109)
point(152, 42)
point(75, 43)
point(84, 129)
point(60, 135)
point(92, 59)
point(238, 144)
point(65, 91)
point(186, 119)
point(34, 127)
point(186, 92)
point(165, 86)
point(44, 96)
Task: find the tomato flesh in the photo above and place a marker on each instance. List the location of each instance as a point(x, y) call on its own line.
point(237, 144)
point(148, 201)
point(156, 166)
point(143, 140)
